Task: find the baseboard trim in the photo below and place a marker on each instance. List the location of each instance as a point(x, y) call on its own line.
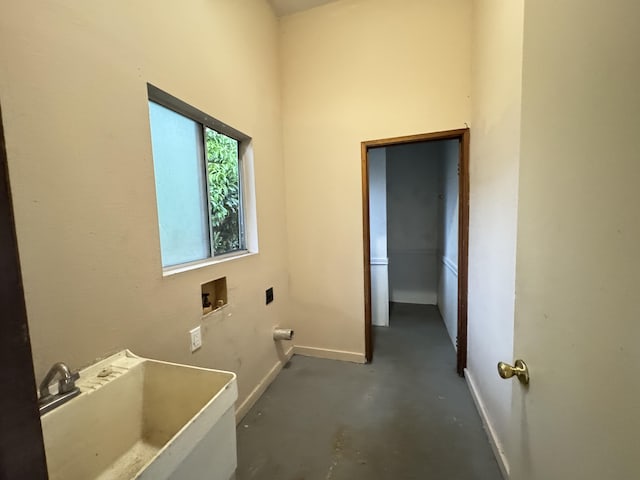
point(451, 334)
point(329, 354)
point(498, 451)
point(257, 392)
point(430, 298)
point(412, 251)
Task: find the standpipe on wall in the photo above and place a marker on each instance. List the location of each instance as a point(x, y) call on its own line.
point(282, 334)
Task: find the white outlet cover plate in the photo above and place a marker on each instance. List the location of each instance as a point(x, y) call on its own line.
point(196, 338)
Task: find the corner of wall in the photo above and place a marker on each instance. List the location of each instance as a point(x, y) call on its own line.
point(494, 163)
point(261, 387)
point(494, 441)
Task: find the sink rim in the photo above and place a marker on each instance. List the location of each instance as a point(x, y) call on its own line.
point(194, 428)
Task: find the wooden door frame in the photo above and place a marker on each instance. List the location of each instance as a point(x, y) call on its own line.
point(462, 135)
point(21, 446)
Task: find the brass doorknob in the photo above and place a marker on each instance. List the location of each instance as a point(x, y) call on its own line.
point(520, 370)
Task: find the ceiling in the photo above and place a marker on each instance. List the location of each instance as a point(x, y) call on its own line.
point(287, 7)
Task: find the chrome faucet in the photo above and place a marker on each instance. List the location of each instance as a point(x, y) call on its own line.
point(66, 387)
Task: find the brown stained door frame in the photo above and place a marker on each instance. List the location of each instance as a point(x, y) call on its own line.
point(21, 445)
point(463, 233)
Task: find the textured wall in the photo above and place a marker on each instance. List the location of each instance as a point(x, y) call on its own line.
point(357, 70)
point(74, 99)
point(494, 162)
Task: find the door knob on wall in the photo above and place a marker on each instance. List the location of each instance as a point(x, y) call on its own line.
point(520, 370)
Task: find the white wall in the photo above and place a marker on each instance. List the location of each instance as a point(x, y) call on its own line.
point(494, 161)
point(331, 103)
point(74, 100)
point(448, 227)
point(413, 189)
point(377, 159)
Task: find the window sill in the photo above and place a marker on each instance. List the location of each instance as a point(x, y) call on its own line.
point(186, 267)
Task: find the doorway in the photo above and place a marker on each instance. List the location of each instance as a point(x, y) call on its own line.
point(461, 139)
point(21, 445)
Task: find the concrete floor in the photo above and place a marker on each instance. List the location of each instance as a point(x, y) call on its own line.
point(407, 415)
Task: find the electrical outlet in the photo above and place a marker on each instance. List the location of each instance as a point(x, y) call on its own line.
point(269, 295)
point(196, 338)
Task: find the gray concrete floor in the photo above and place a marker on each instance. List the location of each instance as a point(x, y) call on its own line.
point(407, 415)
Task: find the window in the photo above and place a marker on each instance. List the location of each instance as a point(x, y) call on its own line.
point(198, 167)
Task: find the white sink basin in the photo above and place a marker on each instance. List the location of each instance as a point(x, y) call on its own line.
point(144, 419)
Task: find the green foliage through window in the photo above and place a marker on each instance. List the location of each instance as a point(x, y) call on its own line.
point(198, 170)
point(224, 191)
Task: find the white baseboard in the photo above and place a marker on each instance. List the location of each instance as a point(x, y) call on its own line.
point(419, 298)
point(498, 451)
point(330, 354)
point(257, 392)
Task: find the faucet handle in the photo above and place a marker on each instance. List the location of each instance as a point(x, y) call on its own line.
point(66, 384)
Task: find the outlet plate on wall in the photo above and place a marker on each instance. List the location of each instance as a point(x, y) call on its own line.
point(196, 338)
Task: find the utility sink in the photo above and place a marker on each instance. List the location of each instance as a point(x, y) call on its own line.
point(144, 419)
